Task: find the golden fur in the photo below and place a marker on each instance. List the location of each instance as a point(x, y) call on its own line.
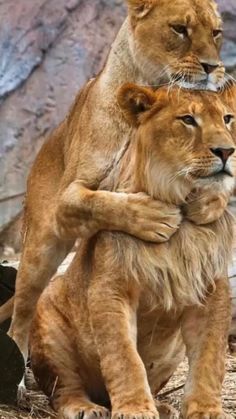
point(62, 203)
point(114, 328)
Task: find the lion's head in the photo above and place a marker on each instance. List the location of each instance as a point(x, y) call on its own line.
point(178, 40)
point(184, 140)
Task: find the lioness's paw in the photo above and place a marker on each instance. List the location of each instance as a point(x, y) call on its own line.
point(151, 220)
point(84, 412)
point(204, 207)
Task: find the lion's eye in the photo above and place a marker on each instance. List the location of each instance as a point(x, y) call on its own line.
point(180, 29)
point(217, 33)
point(228, 118)
point(188, 120)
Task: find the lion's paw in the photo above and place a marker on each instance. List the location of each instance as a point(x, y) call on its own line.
point(84, 412)
point(206, 414)
point(204, 407)
point(136, 414)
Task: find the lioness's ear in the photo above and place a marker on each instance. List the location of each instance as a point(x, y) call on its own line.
point(135, 101)
point(140, 8)
point(229, 95)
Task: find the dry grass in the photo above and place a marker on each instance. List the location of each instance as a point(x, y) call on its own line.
point(35, 405)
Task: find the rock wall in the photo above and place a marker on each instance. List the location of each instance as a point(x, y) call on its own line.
point(228, 10)
point(48, 49)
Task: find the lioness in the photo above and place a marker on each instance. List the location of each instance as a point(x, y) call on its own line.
point(114, 328)
point(157, 43)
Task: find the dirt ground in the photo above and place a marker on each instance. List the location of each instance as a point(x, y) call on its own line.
point(36, 406)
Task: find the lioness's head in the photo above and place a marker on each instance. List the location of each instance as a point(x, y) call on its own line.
point(184, 140)
point(178, 40)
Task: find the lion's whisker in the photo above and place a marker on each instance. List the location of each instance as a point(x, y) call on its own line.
point(231, 77)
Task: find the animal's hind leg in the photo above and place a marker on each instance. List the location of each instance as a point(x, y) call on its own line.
point(42, 254)
point(56, 364)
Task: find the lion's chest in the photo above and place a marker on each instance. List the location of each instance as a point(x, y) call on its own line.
point(179, 272)
point(160, 344)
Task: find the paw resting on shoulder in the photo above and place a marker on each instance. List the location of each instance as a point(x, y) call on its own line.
point(151, 220)
point(204, 207)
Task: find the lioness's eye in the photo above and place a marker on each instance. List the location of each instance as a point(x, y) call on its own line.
point(217, 33)
point(188, 120)
point(180, 29)
point(228, 118)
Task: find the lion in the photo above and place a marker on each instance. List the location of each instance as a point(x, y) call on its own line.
point(112, 331)
point(65, 199)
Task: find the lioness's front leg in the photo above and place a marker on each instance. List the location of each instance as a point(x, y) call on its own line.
point(83, 212)
point(205, 332)
point(112, 308)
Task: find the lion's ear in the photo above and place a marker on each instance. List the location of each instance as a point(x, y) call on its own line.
point(140, 8)
point(135, 101)
point(229, 95)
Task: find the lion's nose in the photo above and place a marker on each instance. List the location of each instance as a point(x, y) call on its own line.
point(223, 153)
point(209, 68)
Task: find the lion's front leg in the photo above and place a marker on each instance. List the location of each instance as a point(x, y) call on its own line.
point(205, 331)
point(113, 317)
point(82, 212)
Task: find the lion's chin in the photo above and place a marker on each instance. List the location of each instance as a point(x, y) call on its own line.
point(221, 182)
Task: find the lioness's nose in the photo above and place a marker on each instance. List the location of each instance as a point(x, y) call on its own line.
point(209, 68)
point(223, 153)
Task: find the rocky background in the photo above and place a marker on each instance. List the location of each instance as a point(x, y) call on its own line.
point(48, 49)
